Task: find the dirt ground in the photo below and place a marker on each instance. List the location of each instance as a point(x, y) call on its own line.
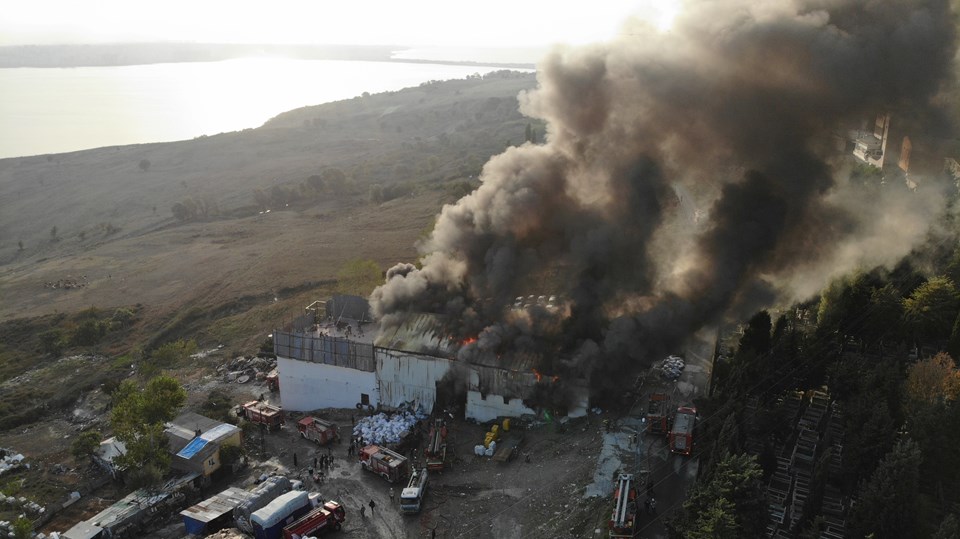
point(538, 494)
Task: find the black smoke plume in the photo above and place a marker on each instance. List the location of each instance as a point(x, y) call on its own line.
point(685, 174)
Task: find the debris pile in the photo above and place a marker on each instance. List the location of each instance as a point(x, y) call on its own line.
point(229, 533)
point(384, 429)
point(68, 283)
point(671, 367)
point(244, 369)
point(9, 460)
point(21, 503)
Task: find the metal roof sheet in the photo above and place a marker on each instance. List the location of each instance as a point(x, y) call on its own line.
point(218, 505)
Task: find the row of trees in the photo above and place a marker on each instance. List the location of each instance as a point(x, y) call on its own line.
point(900, 414)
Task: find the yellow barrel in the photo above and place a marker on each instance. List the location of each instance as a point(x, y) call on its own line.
point(506, 424)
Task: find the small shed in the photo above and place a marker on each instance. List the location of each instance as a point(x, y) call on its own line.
point(215, 512)
point(196, 440)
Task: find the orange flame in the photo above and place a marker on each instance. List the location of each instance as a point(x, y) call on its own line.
point(468, 340)
point(539, 376)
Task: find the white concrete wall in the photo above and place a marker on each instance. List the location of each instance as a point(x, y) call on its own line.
point(307, 386)
point(492, 407)
point(409, 378)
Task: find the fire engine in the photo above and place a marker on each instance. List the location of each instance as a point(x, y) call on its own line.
point(325, 517)
point(317, 430)
point(658, 414)
point(680, 438)
point(388, 464)
point(411, 497)
point(624, 518)
point(436, 450)
point(261, 412)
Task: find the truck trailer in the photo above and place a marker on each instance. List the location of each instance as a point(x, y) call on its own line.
point(658, 414)
point(269, 521)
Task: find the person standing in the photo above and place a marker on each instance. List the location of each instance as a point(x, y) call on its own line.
point(372, 505)
point(391, 495)
point(363, 511)
point(294, 459)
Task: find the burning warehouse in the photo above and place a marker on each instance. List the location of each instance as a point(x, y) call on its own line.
point(414, 363)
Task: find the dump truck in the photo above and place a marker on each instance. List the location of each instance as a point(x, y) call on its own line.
point(329, 516)
point(263, 413)
point(384, 462)
point(411, 497)
point(318, 430)
point(435, 452)
point(680, 438)
point(269, 521)
point(623, 521)
point(659, 414)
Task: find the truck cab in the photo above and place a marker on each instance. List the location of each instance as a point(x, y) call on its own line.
point(680, 438)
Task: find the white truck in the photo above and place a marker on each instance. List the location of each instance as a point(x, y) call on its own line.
point(411, 497)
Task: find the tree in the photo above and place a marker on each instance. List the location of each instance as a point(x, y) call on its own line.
point(85, 445)
point(138, 418)
point(931, 309)
point(884, 314)
point(949, 528)
point(730, 503)
point(359, 277)
point(22, 528)
point(888, 501)
point(144, 165)
point(930, 382)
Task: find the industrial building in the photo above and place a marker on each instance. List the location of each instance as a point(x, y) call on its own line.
point(412, 364)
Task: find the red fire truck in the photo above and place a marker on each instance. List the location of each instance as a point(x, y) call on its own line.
point(680, 438)
point(328, 516)
point(318, 430)
point(388, 464)
point(436, 450)
point(624, 518)
point(261, 412)
point(658, 414)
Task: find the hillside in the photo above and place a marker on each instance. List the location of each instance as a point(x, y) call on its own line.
point(185, 224)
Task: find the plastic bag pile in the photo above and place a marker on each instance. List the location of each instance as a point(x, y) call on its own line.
point(381, 429)
point(671, 367)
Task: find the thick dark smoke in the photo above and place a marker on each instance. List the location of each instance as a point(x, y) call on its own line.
point(684, 175)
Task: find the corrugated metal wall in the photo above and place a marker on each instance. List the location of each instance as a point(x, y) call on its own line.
point(406, 377)
point(324, 349)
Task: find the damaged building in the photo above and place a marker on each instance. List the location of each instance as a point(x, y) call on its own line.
point(414, 363)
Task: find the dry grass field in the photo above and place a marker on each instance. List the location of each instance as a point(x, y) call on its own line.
point(104, 219)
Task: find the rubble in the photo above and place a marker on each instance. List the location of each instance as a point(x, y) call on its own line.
point(9, 460)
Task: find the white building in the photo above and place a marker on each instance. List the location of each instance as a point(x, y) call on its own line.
point(319, 369)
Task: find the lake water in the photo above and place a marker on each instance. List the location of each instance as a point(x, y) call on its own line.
point(52, 110)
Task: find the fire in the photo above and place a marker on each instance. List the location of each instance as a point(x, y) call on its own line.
point(553, 379)
point(468, 340)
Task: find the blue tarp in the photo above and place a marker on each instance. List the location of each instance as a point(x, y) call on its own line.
point(193, 448)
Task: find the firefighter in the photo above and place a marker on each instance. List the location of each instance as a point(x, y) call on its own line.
point(372, 505)
point(391, 494)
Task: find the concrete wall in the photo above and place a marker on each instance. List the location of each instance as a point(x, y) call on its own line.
point(493, 406)
point(307, 386)
point(406, 377)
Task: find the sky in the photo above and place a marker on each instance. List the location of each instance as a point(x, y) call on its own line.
point(489, 23)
